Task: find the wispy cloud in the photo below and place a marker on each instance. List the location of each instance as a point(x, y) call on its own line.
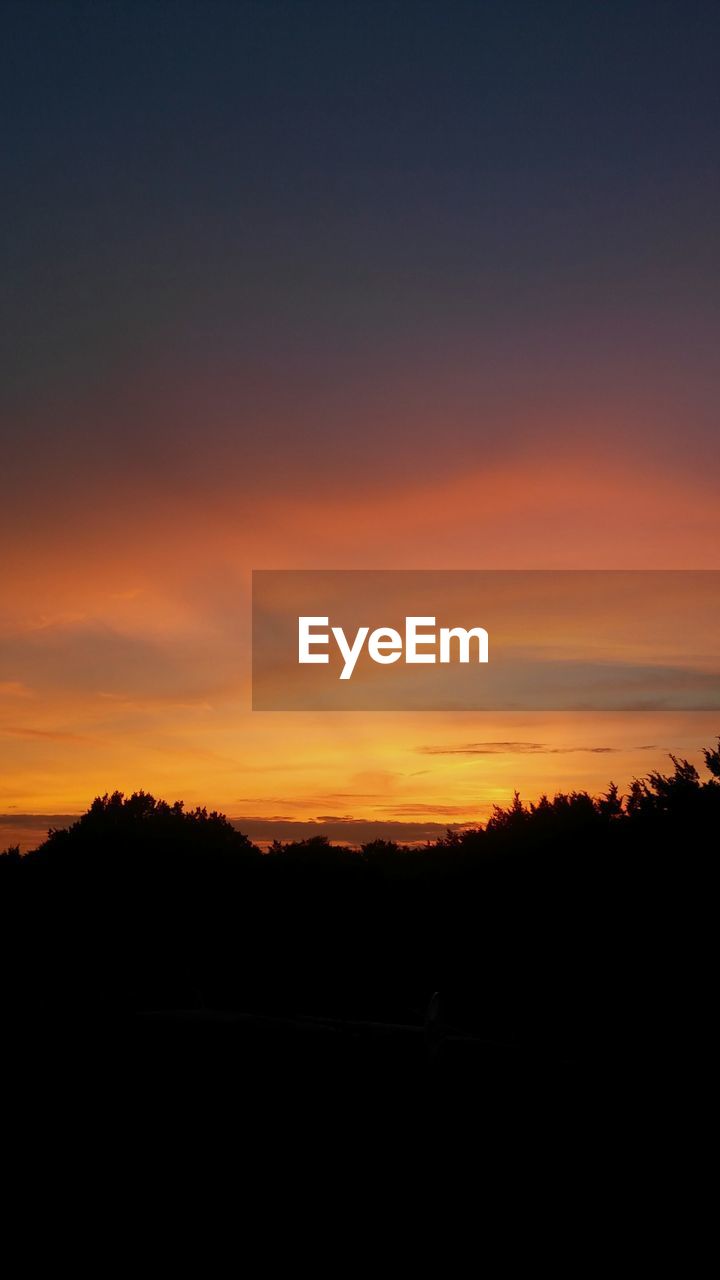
point(50, 735)
point(416, 810)
point(517, 749)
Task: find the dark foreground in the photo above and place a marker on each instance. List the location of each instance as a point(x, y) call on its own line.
point(551, 975)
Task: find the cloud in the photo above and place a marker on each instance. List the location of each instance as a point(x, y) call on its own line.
point(513, 748)
point(51, 735)
point(414, 808)
point(98, 660)
point(354, 831)
point(300, 802)
point(45, 820)
point(28, 830)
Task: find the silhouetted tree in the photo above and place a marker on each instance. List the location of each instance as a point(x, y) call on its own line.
point(572, 925)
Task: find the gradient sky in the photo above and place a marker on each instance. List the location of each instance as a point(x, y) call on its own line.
point(309, 285)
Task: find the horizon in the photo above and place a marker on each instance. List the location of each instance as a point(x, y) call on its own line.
point(28, 830)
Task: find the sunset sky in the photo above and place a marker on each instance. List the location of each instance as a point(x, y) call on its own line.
point(339, 285)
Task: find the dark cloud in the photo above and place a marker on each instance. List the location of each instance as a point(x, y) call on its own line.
point(44, 820)
point(28, 830)
point(354, 831)
point(523, 748)
point(510, 748)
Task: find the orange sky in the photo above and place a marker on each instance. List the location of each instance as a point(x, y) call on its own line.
point(125, 633)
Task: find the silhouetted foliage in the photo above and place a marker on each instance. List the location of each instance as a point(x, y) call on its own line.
point(575, 928)
point(141, 821)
